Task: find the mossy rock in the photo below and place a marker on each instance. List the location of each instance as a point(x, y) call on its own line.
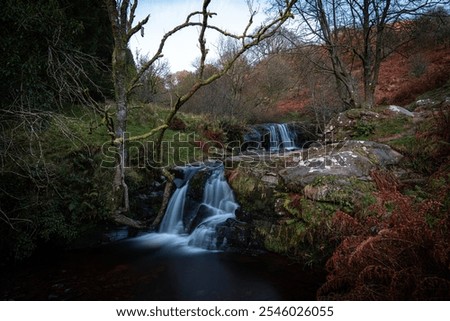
point(345, 192)
point(256, 197)
point(363, 124)
point(282, 238)
point(351, 124)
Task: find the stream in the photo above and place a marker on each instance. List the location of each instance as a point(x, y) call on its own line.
point(186, 259)
point(141, 269)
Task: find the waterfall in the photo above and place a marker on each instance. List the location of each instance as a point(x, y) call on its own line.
point(217, 206)
point(272, 137)
point(173, 224)
point(287, 137)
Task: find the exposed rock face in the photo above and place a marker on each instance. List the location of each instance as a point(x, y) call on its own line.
point(317, 173)
point(344, 160)
point(285, 197)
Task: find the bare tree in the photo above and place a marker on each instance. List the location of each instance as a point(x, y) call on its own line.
point(153, 81)
point(355, 30)
point(122, 15)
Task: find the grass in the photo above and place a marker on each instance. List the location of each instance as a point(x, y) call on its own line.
point(382, 128)
point(392, 126)
point(78, 128)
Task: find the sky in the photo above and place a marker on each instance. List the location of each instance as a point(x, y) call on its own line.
point(181, 50)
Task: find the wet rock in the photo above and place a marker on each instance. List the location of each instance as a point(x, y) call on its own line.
point(202, 213)
point(238, 236)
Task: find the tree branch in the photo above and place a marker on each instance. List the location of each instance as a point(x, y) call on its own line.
point(136, 28)
point(263, 32)
point(132, 14)
point(143, 136)
point(201, 37)
point(124, 14)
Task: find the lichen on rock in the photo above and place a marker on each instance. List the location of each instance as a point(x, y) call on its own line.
point(343, 160)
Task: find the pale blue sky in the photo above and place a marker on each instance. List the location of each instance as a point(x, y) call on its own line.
point(182, 49)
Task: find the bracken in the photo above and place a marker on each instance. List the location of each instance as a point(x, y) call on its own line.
point(394, 255)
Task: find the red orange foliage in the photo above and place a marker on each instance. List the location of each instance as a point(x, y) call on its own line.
point(401, 253)
point(398, 85)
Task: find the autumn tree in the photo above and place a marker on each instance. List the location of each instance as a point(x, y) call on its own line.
point(235, 80)
point(122, 14)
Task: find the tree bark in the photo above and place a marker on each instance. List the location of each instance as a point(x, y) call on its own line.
point(165, 203)
point(120, 187)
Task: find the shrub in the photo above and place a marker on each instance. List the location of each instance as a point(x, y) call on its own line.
point(394, 255)
point(363, 130)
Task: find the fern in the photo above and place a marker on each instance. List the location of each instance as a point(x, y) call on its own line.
point(394, 255)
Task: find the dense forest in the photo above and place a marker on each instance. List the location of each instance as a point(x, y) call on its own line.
point(84, 121)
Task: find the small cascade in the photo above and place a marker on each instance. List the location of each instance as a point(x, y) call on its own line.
point(274, 138)
point(271, 137)
point(173, 224)
point(287, 137)
point(218, 205)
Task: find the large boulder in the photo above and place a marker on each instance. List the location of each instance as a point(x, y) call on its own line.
point(348, 159)
point(401, 110)
point(288, 199)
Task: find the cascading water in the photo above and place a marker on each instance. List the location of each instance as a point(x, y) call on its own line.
point(173, 224)
point(218, 205)
point(272, 137)
point(287, 137)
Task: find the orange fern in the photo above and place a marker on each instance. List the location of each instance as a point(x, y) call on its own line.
point(394, 255)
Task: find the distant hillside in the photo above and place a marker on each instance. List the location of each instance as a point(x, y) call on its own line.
point(403, 78)
point(420, 64)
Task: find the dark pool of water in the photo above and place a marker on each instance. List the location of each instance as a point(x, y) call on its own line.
point(143, 269)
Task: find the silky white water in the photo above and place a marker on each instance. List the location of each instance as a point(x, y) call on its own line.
point(220, 205)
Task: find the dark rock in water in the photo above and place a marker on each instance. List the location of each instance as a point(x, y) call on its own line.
point(238, 236)
point(194, 197)
point(202, 213)
point(197, 185)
